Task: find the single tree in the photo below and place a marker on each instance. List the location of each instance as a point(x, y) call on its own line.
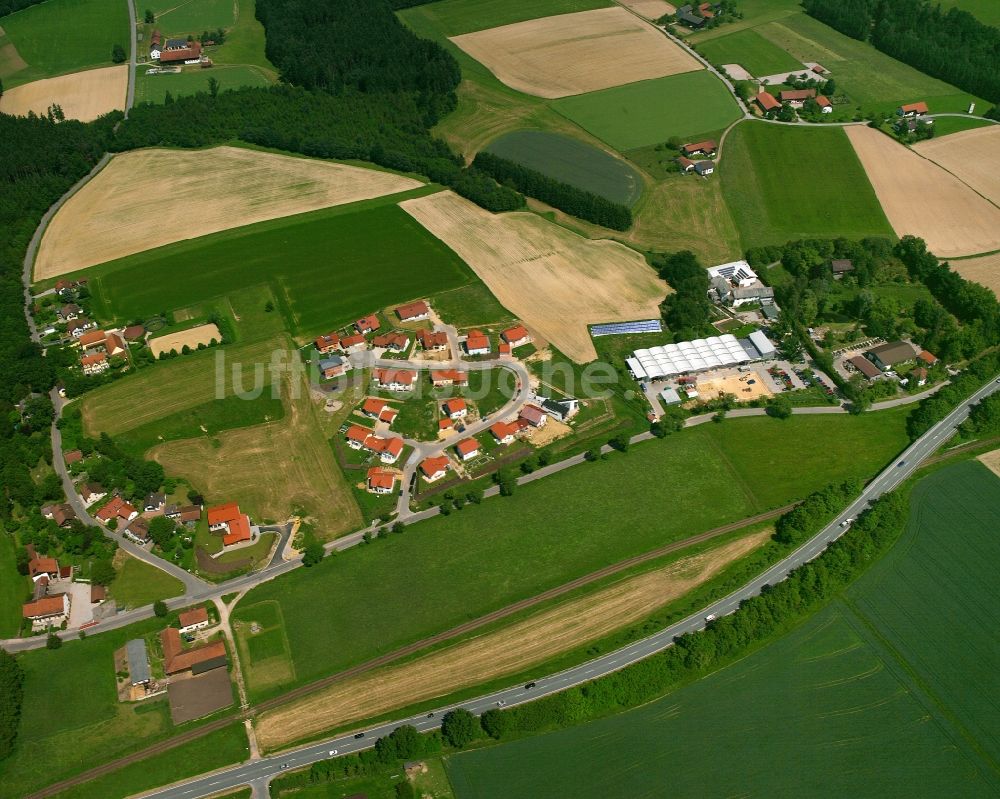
point(160, 608)
point(620, 442)
point(53, 641)
point(102, 572)
point(118, 54)
point(313, 553)
point(780, 407)
point(149, 16)
point(459, 727)
point(593, 454)
point(213, 87)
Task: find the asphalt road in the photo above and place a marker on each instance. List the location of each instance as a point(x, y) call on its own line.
point(133, 46)
point(890, 478)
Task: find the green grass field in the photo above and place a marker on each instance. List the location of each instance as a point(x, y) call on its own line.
point(190, 16)
point(890, 691)
point(751, 51)
point(572, 162)
point(214, 416)
point(469, 306)
point(453, 17)
point(944, 126)
point(139, 584)
point(566, 525)
point(326, 267)
point(245, 41)
point(13, 588)
point(987, 11)
point(783, 183)
point(60, 36)
point(651, 111)
point(154, 88)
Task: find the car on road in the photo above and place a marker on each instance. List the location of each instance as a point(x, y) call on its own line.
point(333, 752)
point(710, 617)
point(284, 765)
point(901, 463)
point(500, 703)
point(530, 685)
point(846, 522)
point(359, 735)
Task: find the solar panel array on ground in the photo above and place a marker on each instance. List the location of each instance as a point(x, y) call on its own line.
point(621, 328)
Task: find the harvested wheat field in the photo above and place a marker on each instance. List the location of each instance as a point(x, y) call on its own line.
point(274, 470)
point(507, 651)
point(650, 9)
point(973, 156)
point(81, 95)
point(922, 199)
point(991, 460)
point(576, 53)
point(556, 281)
point(984, 270)
point(122, 210)
point(202, 334)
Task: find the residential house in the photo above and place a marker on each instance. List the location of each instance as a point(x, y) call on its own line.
point(503, 348)
point(467, 449)
point(825, 106)
point(433, 469)
point(560, 410)
point(328, 343)
point(379, 409)
point(477, 343)
point(92, 492)
point(865, 367)
point(706, 147)
point(69, 312)
point(516, 336)
point(138, 530)
point(534, 415)
point(231, 522)
point(387, 449)
point(73, 456)
point(413, 311)
point(191, 620)
point(367, 324)
point(118, 509)
point(395, 379)
point(356, 436)
point(94, 364)
point(77, 327)
point(449, 377)
point(189, 515)
point(885, 356)
point(171, 511)
point(445, 424)
point(503, 432)
point(767, 102)
point(928, 358)
point(685, 16)
point(62, 514)
point(196, 660)
point(154, 502)
point(841, 267)
point(334, 366)
point(115, 345)
point(686, 164)
point(432, 341)
point(395, 341)
point(381, 481)
point(912, 109)
point(455, 408)
point(48, 611)
point(704, 168)
point(796, 98)
point(353, 342)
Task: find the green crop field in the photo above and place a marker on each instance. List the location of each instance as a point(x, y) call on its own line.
point(657, 493)
point(191, 16)
point(651, 111)
point(783, 183)
point(891, 691)
point(751, 51)
point(154, 88)
point(752, 14)
point(454, 17)
point(987, 11)
point(326, 267)
point(60, 36)
point(572, 162)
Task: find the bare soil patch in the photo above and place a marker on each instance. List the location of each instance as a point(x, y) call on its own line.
point(202, 334)
point(576, 53)
point(650, 9)
point(553, 279)
point(737, 386)
point(922, 199)
point(122, 210)
point(991, 460)
point(507, 651)
point(200, 695)
point(984, 270)
point(10, 60)
point(973, 156)
point(82, 95)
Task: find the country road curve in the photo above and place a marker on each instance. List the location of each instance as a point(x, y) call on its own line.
point(892, 476)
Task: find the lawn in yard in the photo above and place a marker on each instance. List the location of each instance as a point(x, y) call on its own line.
point(659, 492)
point(60, 36)
point(751, 51)
point(772, 206)
point(139, 583)
point(154, 88)
point(652, 111)
point(888, 690)
point(256, 553)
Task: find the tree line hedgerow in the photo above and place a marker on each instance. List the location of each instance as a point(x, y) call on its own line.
point(577, 202)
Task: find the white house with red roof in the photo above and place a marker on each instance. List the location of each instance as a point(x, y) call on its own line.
point(381, 481)
point(534, 415)
point(379, 409)
point(394, 341)
point(433, 469)
point(232, 523)
point(516, 336)
point(477, 343)
point(503, 432)
point(191, 620)
point(467, 449)
point(432, 341)
point(329, 342)
point(413, 311)
point(117, 508)
point(395, 379)
point(449, 377)
point(455, 408)
point(367, 324)
point(913, 109)
point(95, 363)
point(47, 611)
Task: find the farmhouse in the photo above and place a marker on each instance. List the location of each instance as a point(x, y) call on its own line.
point(413, 311)
point(704, 168)
point(190, 53)
point(47, 611)
point(796, 98)
point(686, 164)
point(334, 366)
point(534, 415)
point(328, 343)
point(231, 522)
point(467, 449)
point(865, 367)
point(685, 16)
point(73, 456)
point(379, 409)
point(380, 481)
point(503, 432)
point(912, 109)
point(114, 345)
point(395, 341)
point(669, 360)
point(737, 273)
point(95, 363)
point(93, 338)
point(888, 355)
point(825, 106)
point(77, 327)
point(39, 567)
point(516, 336)
point(197, 660)
point(367, 324)
point(432, 341)
point(449, 377)
point(434, 469)
point(455, 408)
point(767, 102)
point(841, 267)
point(192, 620)
point(117, 508)
point(928, 358)
point(706, 147)
point(395, 379)
point(477, 343)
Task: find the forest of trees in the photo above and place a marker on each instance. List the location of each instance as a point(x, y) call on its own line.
point(577, 202)
point(10, 6)
point(951, 45)
point(11, 697)
point(688, 311)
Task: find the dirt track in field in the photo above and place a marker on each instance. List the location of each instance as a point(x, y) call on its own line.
point(150, 198)
point(922, 199)
point(192, 337)
point(556, 281)
point(81, 95)
point(576, 53)
point(973, 156)
point(984, 270)
point(506, 651)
